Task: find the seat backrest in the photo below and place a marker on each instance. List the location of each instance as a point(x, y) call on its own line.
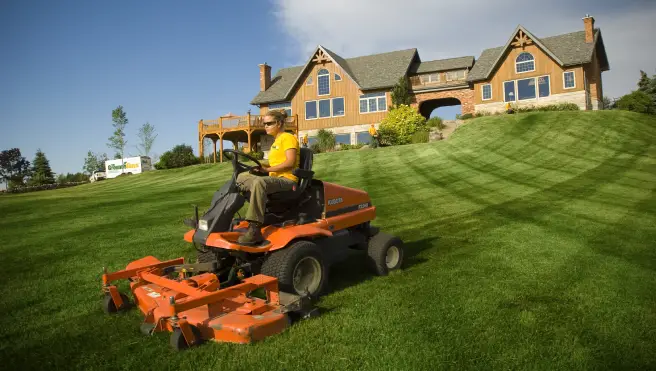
point(305, 162)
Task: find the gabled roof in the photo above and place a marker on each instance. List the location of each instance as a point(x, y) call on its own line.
point(442, 65)
point(567, 50)
point(370, 72)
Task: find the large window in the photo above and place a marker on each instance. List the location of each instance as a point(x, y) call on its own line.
point(455, 75)
point(568, 80)
point(525, 63)
point(323, 82)
point(287, 106)
point(523, 89)
point(430, 78)
point(373, 102)
point(342, 138)
point(324, 108)
point(363, 137)
point(487, 91)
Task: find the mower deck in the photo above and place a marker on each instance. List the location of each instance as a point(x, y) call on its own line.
point(196, 308)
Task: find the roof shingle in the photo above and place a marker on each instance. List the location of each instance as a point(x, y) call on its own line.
point(442, 64)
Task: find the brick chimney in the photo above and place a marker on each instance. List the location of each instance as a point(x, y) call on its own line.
point(265, 76)
point(588, 22)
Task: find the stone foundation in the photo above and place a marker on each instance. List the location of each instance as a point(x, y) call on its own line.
point(577, 98)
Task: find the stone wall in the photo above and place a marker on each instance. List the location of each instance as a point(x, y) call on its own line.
point(465, 96)
point(577, 98)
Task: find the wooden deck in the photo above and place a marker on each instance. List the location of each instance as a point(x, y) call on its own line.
point(237, 129)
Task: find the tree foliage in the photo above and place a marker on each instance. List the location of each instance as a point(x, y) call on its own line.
point(41, 173)
point(400, 93)
point(400, 124)
point(180, 156)
point(117, 141)
point(147, 136)
point(93, 162)
point(14, 168)
point(637, 101)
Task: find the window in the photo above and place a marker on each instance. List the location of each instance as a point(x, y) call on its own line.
point(525, 63)
point(323, 82)
point(509, 91)
point(338, 106)
point(455, 75)
point(324, 108)
point(363, 137)
point(568, 80)
point(487, 91)
point(526, 89)
point(286, 105)
point(338, 77)
point(373, 102)
point(309, 80)
point(531, 88)
point(312, 140)
point(342, 138)
point(544, 88)
point(311, 110)
point(430, 78)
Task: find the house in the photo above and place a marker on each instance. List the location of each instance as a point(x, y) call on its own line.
point(347, 95)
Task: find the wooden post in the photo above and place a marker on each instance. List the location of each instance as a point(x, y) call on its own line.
point(214, 140)
point(249, 140)
point(221, 147)
point(200, 138)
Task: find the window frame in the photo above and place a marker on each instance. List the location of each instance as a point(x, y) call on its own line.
point(285, 105)
point(524, 62)
point(538, 85)
point(426, 78)
point(316, 108)
point(332, 107)
point(316, 105)
point(336, 75)
point(375, 97)
point(516, 90)
point(464, 75)
point(309, 81)
point(573, 79)
point(483, 92)
point(319, 75)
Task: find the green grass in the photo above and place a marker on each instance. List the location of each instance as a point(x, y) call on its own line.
point(530, 238)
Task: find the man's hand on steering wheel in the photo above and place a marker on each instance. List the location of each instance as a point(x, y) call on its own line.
point(240, 167)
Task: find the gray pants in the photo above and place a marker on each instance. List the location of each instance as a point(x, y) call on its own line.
point(260, 187)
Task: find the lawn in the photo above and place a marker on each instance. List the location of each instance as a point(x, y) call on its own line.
point(530, 245)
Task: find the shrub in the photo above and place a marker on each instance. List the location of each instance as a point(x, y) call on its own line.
point(548, 107)
point(419, 137)
point(400, 124)
point(180, 156)
point(466, 116)
point(345, 147)
point(636, 101)
point(326, 140)
point(435, 122)
point(315, 147)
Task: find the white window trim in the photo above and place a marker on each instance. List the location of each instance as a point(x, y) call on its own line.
point(311, 81)
point(464, 77)
point(483, 94)
point(327, 75)
point(516, 91)
point(532, 60)
point(376, 98)
point(573, 78)
point(428, 77)
point(316, 104)
point(340, 77)
point(330, 108)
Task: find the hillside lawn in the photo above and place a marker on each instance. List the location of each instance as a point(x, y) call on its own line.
point(531, 244)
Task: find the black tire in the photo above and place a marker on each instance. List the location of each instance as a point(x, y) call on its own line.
point(178, 341)
point(377, 251)
point(110, 307)
point(282, 264)
point(206, 257)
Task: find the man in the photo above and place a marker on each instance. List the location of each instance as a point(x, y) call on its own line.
point(374, 136)
point(305, 140)
point(509, 109)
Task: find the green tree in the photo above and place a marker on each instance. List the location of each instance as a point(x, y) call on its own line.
point(117, 140)
point(400, 124)
point(41, 172)
point(637, 101)
point(147, 136)
point(400, 93)
point(180, 156)
point(644, 84)
point(93, 162)
point(325, 140)
point(14, 168)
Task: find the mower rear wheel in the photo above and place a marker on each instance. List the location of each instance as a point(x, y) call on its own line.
point(110, 307)
point(385, 253)
point(178, 341)
point(299, 268)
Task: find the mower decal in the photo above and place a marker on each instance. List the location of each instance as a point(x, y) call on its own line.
point(347, 209)
point(154, 294)
point(335, 201)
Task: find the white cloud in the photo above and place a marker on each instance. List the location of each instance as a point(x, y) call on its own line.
point(441, 29)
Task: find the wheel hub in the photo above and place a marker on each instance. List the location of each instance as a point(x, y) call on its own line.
point(392, 257)
point(307, 275)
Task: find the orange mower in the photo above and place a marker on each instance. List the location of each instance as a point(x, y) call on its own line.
point(243, 293)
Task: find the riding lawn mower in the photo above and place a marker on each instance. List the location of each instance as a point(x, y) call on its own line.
point(243, 293)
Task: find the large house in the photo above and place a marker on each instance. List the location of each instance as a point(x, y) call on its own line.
point(347, 95)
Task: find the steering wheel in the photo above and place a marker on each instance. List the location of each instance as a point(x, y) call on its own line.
point(237, 165)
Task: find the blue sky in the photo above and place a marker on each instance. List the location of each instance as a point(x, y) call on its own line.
point(67, 64)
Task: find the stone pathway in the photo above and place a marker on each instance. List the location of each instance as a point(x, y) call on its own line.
point(451, 126)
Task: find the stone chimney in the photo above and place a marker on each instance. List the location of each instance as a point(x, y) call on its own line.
point(588, 22)
point(265, 76)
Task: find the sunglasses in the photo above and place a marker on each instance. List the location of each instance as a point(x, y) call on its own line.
point(270, 123)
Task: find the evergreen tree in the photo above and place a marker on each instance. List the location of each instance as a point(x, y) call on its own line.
point(400, 93)
point(41, 171)
point(644, 82)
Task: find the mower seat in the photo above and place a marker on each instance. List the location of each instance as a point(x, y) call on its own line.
point(304, 174)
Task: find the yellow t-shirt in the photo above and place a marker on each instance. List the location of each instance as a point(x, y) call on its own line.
point(372, 131)
point(277, 156)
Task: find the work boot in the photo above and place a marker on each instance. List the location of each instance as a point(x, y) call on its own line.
point(253, 235)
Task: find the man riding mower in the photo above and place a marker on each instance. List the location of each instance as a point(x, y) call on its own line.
point(296, 227)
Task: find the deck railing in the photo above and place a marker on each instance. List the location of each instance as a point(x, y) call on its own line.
point(233, 123)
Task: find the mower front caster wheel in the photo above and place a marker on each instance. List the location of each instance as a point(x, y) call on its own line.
point(385, 253)
point(178, 341)
point(110, 307)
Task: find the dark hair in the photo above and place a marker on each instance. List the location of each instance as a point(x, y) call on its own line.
point(278, 114)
